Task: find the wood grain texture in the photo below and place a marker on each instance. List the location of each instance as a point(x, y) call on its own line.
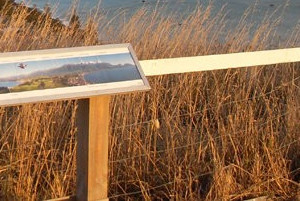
point(92, 149)
point(217, 62)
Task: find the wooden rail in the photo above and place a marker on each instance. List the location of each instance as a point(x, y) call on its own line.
point(218, 62)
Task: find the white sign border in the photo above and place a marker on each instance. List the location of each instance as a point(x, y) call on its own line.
point(75, 92)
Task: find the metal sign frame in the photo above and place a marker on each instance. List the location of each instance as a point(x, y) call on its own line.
point(71, 92)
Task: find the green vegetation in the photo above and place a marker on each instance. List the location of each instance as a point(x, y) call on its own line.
point(39, 83)
point(221, 135)
point(50, 83)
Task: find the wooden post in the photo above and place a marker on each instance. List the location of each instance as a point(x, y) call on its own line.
point(92, 149)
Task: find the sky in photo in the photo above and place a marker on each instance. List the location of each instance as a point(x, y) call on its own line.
point(11, 69)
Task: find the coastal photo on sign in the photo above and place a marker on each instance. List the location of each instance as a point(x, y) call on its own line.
point(67, 72)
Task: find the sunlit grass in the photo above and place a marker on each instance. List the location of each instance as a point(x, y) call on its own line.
point(222, 135)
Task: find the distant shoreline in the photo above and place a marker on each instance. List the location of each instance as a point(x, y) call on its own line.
point(285, 14)
point(34, 13)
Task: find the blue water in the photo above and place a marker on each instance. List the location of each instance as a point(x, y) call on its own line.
point(287, 10)
point(9, 84)
point(112, 75)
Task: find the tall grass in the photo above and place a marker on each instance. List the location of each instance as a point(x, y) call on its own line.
point(221, 135)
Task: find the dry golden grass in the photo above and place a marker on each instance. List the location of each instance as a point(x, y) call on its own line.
point(223, 135)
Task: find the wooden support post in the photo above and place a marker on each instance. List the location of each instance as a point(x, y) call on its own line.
point(92, 149)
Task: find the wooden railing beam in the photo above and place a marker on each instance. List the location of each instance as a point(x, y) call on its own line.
point(218, 62)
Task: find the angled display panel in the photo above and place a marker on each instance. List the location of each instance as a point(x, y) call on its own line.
point(69, 73)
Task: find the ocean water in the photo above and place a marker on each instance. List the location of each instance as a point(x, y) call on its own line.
point(9, 84)
point(287, 10)
point(112, 75)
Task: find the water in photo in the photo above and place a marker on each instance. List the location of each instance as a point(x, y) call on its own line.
point(67, 72)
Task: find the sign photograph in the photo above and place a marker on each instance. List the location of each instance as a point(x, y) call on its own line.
point(69, 73)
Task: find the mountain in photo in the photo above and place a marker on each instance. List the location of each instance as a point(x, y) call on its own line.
point(77, 69)
point(70, 69)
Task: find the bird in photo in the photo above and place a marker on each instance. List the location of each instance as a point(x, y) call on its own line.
point(22, 66)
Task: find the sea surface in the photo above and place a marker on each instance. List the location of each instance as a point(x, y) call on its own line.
point(9, 84)
point(112, 75)
point(287, 10)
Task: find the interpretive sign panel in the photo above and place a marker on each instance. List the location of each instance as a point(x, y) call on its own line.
point(69, 73)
